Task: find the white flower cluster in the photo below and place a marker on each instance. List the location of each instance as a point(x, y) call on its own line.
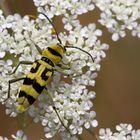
point(60, 7)
point(71, 95)
point(69, 9)
point(124, 132)
point(119, 15)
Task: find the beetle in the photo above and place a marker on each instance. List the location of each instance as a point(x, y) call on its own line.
point(40, 73)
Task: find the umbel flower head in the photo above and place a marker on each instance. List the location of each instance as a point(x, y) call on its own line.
point(71, 95)
point(124, 132)
point(120, 15)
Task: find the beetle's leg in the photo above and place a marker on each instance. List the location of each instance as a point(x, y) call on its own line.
point(56, 111)
point(63, 66)
point(9, 85)
point(21, 62)
point(66, 74)
point(61, 71)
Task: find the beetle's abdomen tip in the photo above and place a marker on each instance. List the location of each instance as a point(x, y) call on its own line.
point(20, 108)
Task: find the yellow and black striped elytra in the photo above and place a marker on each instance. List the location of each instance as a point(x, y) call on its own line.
point(40, 74)
point(34, 83)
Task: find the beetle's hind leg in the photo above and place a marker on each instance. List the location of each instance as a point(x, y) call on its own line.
point(9, 86)
point(57, 112)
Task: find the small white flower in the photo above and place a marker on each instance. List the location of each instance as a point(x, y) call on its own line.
point(136, 31)
point(105, 134)
point(2, 54)
point(19, 135)
point(70, 22)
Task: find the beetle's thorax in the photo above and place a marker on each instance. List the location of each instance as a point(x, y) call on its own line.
point(54, 52)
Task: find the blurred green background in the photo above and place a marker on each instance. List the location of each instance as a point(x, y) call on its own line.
point(117, 85)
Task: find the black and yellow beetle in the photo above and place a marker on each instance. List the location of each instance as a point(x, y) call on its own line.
point(40, 73)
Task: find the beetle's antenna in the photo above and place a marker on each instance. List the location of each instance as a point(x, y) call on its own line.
point(52, 26)
point(82, 51)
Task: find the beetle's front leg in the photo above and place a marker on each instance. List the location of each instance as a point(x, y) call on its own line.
point(21, 62)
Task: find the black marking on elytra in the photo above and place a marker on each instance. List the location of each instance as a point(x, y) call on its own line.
point(38, 87)
point(28, 81)
point(22, 94)
point(44, 76)
point(54, 52)
point(34, 70)
point(30, 98)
